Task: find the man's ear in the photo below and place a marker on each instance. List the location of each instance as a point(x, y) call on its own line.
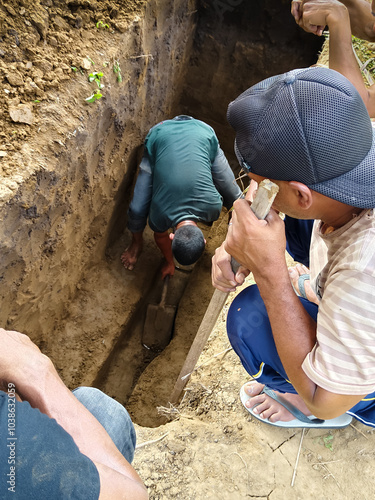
point(303, 194)
point(171, 236)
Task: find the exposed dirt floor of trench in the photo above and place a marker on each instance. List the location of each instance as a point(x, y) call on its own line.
point(67, 169)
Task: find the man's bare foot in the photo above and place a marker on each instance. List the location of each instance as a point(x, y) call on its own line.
point(130, 256)
point(294, 273)
point(268, 408)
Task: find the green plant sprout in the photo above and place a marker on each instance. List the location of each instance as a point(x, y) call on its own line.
point(91, 61)
point(96, 76)
point(117, 71)
point(328, 441)
point(73, 68)
point(94, 97)
point(100, 24)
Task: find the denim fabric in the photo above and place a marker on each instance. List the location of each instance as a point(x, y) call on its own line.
point(39, 460)
point(250, 335)
point(113, 417)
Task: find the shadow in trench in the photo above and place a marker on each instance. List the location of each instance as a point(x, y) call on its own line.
point(130, 357)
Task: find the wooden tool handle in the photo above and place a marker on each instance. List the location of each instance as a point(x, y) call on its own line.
point(261, 205)
point(164, 292)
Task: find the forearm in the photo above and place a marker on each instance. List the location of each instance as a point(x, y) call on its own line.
point(361, 19)
point(164, 243)
point(294, 332)
point(341, 55)
point(293, 329)
point(47, 392)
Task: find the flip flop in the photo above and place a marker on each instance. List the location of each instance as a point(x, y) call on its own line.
point(301, 420)
point(301, 285)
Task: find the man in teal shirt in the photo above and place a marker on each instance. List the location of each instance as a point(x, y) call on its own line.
point(184, 178)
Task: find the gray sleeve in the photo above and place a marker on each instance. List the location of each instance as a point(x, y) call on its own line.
point(140, 205)
point(224, 179)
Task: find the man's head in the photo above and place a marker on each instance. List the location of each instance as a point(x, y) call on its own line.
point(311, 126)
point(187, 243)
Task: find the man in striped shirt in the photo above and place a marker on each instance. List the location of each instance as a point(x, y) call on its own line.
point(307, 130)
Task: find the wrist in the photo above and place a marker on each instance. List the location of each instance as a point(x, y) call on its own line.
point(338, 18)
point(31, 378)
point(273, 280)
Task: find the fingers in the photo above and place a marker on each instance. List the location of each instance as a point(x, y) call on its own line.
point(253, 186)
point(222, 275)
point(241, 275)
point(301, 11)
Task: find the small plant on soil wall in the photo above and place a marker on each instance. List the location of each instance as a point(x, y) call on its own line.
point(117, 71)
point(96, 77)
point(100, 24)
point(94, 97)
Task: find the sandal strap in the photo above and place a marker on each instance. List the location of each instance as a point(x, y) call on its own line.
point(290, 407)
point(301, 284)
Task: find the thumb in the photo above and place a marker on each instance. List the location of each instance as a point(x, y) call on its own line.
point(241, 274)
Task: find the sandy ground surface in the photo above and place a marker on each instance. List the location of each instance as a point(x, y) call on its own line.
point(211, 448)
point(214, 449)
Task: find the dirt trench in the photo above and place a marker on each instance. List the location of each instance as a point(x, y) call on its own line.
point(68, 169)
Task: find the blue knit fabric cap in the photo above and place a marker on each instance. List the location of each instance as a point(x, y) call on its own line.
point(308, 125)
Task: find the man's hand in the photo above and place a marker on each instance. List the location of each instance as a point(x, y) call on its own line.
point(21, 361)
point(258, 245)
point(314, 15)
point(37, 381)
point(223, 277)
point(168, 269)
point(334, 14)
point(362, 21)
point(164, 243)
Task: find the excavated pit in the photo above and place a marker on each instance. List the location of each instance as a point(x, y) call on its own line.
point(65, 192)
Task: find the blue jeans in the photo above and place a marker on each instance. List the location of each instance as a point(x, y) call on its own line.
point(113, 417)
point(251, 337)
point(222, 176)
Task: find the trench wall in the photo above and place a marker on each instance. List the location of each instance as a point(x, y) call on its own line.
point(237, 44)
point(61, 210)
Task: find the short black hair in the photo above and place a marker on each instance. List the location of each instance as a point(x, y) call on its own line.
point(188, 245)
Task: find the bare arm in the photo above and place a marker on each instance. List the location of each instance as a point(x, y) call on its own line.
point(260, 245)
point(37, 382)
point(164, 243)
point(335, 15)
point(362, 22)
point(361, 19)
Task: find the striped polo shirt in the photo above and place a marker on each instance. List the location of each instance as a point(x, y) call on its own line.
point(343, 276)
